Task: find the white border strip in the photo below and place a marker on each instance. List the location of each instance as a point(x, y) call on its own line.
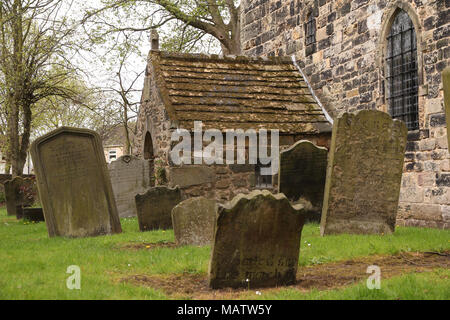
point(327, 116)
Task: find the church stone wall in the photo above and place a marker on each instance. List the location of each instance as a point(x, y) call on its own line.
point(347, 70)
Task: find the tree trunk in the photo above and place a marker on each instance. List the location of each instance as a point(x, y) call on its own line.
point(7, 167)
point(13, 135)
point(25, 139)
point(127, 139)
point(16, 157)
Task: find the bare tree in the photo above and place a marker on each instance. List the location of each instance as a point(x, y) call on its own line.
point(128, 104)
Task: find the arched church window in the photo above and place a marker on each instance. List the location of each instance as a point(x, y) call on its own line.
point(402, 71)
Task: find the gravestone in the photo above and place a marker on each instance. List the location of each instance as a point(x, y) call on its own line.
point(256, 241)
point(303, 169)
point(154, 207)
point(129, 176)
point(19, 192)
point(193, 221)
point(33, 214)
point(446, 86)
point(73, 183)
point(364, 174)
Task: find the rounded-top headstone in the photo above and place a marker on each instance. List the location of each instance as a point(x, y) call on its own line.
point(129, 175)
point(303, 169)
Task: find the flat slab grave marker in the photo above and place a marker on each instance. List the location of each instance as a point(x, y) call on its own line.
point(73, 184)
point(154, 207)
point(19, 192)
point(256, 242)
point(129, 176)
point(364, 174)
point(303, 169)
point(193, 221)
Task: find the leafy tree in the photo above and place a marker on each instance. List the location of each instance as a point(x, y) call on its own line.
point(187, 22)
point(119, 30)
point(88, 108)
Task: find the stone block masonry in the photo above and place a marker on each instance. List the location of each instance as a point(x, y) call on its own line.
point(346, 66)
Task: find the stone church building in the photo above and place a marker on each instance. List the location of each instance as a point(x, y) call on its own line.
point(363, 54)
point(372, 54)
point(224, 93)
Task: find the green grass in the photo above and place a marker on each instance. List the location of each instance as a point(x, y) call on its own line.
point(433, 285)
point(34, 266)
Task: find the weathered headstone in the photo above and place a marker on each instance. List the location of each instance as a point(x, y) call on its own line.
point(364, 174)
point(19, 192)
point(303, 169)
point(193, 221)
point(256, 241)
point(73, 183)
point(154, 207)
point(129, 176)
point(446, 85)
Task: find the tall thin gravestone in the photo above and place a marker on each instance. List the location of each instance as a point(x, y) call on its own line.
point(256, 242)
point(73, 183)
point(364, 174)
point(129, 176)
point(303, 169)
point(446, 85)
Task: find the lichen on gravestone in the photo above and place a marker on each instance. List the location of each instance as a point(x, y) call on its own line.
point(256, 242)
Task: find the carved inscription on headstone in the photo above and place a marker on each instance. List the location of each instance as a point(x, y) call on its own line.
point(74, 185)
point(302, 173)
point(193, 221)
point(364, 174)
point(154, 207)
point(256, 241)
point(129, 176)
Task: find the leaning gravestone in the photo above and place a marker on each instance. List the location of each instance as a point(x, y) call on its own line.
point(129, 176)
point(446, 85)
point(154, 207)
point(364, 174)
point(73, 183)
point(19, 192)
point(256, 242)
point(303, 169)
point(193, 221)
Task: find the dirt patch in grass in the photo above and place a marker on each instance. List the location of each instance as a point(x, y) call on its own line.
point(148, 246)
point(321, 277)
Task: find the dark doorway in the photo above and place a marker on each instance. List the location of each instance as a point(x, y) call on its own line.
point(148, 146)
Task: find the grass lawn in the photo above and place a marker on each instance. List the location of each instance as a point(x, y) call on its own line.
point(34, 266)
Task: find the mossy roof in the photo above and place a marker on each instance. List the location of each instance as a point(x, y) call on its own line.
point(236, 93)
